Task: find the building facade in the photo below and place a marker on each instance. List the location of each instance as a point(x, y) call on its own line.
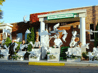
point(85, 18)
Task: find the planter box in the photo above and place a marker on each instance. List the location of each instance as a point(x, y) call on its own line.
point(94, 61)
point(4, 58)
point(73, 60)
point(56, 59)
point(20, 59)
point(32, 59)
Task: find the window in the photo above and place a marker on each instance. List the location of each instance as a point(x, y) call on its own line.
point(92, 35)
point(19, 35)
point(26, 37)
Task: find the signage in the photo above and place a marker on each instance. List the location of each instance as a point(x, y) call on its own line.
point(60, 16)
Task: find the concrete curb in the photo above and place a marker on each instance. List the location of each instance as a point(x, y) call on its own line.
point(45, 63)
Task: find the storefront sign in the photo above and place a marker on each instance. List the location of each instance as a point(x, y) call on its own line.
point(60, 16)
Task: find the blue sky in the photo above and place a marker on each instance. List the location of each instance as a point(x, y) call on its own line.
point(14, 10)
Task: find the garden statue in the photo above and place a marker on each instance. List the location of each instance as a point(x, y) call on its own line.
point(55, 30)
point(24, 19)
point(17, 40)
point(12, 48)
point(37, 43)
point(72, 43)
point(90, 55)
point(58, 42)
point(65, 35)
point(23, 46)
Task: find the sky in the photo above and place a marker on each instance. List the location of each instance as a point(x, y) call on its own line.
point(15, 10)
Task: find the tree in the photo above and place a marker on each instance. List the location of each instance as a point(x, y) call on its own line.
point(7, 42)
point(1, 12)
point(31, 36)
point(96, 37)
point(1, 1)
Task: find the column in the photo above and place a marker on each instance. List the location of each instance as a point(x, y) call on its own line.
point(11, 34)
point(6, 33)
point(42, 28)
point(82, 31)
point(47, 36)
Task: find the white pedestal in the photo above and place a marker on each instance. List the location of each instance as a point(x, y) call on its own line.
point(4, 58)
point(32, 59)
point(20, 59)
point(73, 60)
point(94, 61)
point(56, 59)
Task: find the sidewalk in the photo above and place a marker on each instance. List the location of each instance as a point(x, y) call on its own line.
point(46, 63)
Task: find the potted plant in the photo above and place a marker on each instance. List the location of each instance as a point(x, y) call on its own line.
point(52, 57)
point(33, 57)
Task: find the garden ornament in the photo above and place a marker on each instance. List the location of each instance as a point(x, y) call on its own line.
point(24, 19)
point(56, 26)
point(65, 35)
point(74, 33)
point(31, 43)
point(95, 51)
point(90, 55)
point(27, 31)
point(17, 40)
point(73, 42)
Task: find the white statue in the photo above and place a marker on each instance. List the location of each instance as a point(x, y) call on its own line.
point(17, 40)
point(24, 19)
point(55, 26)
point(58, 42)
point(74, 33)
point(72, 43)
point(65, 35)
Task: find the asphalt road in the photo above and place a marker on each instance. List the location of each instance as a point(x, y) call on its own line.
point(8, 67)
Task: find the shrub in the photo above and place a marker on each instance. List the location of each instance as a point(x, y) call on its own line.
point(84, 55)
point(29, 47)
point(31, 36)
point(18, 47)
point(7, 42)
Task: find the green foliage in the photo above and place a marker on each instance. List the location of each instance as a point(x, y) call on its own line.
point(96, 37)
point(18, 47)
point(7, 42)
point(31, 36)
point(1, 1)
point(15, 57)
point(29, 47)
point(74, 57)
point(63, 55)
point(48, 52)
point(1, 56)
point(52, 57)
point(84, 55)
point(33, 56)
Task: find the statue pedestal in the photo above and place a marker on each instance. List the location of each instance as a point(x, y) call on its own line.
point(73, 60)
